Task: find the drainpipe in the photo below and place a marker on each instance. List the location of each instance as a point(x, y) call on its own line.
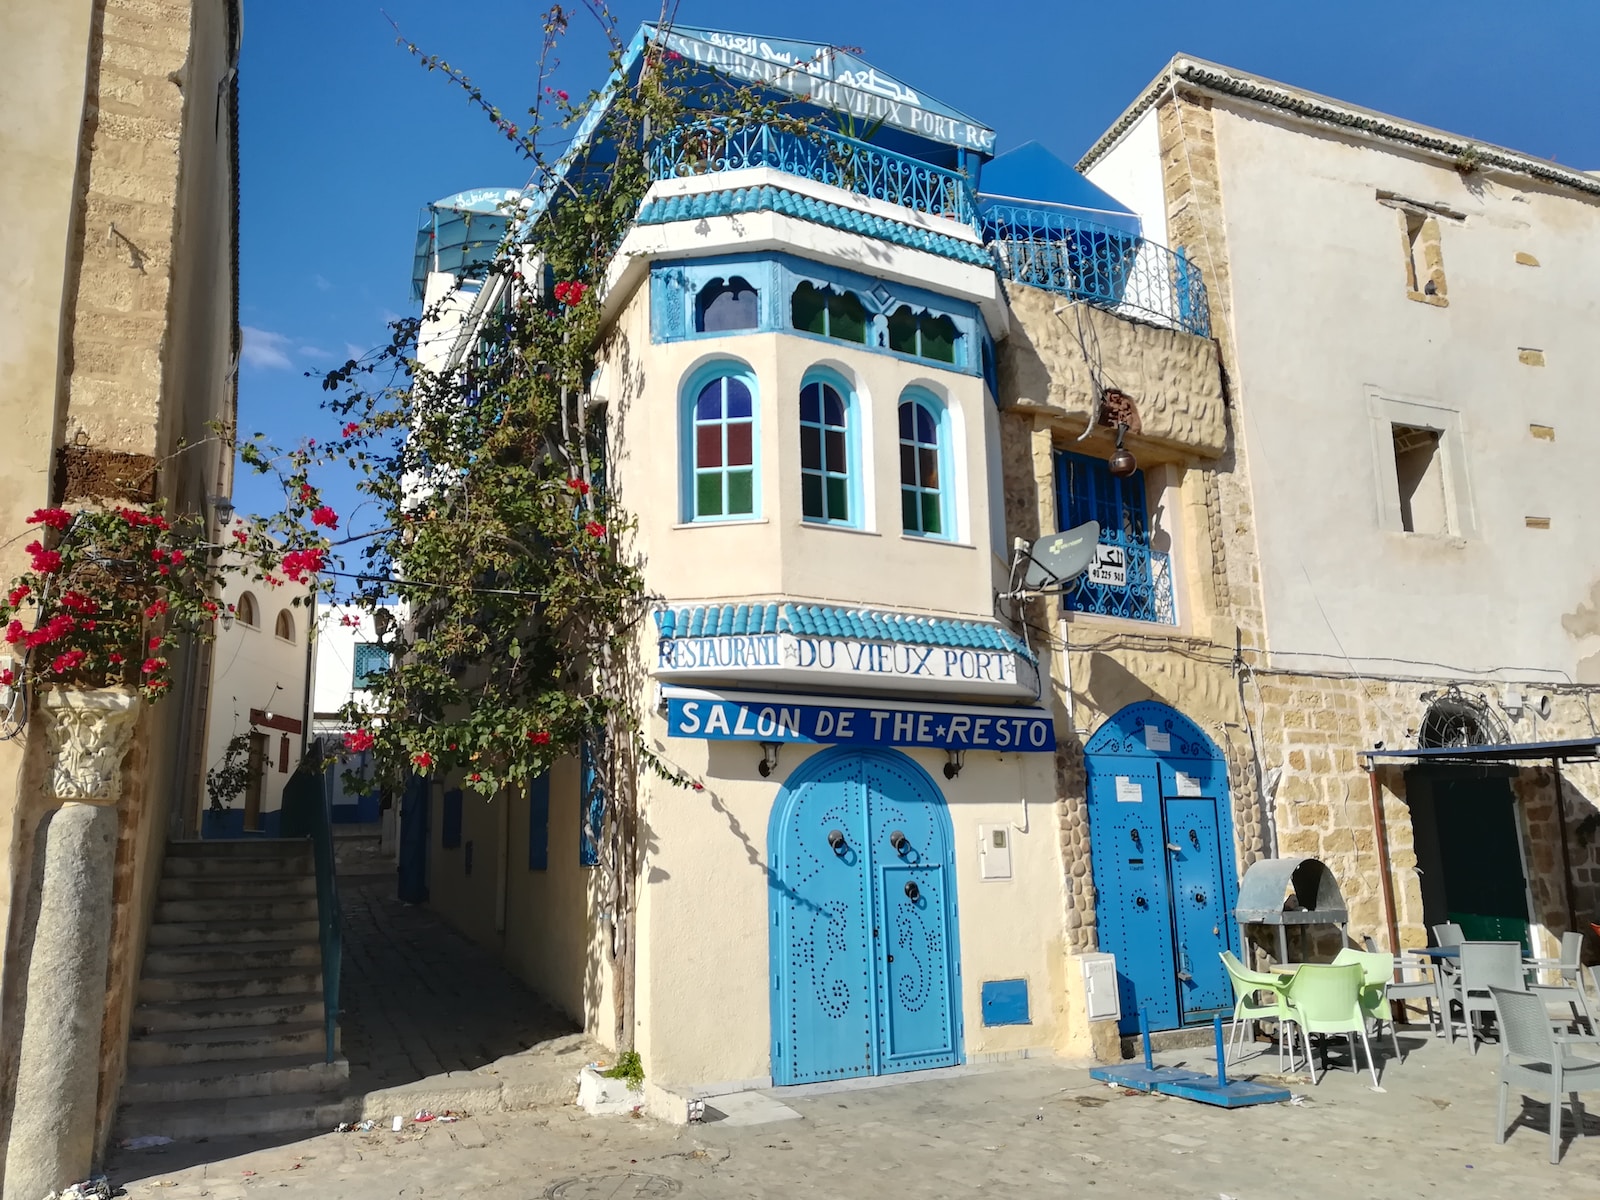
point(1566, 853)
point(1381, 837)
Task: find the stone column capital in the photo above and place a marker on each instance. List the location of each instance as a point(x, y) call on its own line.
point(87, 731)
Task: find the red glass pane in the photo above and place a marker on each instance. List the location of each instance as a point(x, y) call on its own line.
point(739, 453)
point(708, 446)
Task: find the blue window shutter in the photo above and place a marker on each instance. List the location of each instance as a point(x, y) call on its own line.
point(450, 826)
point(539, 823)
point(593, 798)
point(1087, 491)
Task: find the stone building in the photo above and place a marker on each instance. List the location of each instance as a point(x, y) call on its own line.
point(118, 344)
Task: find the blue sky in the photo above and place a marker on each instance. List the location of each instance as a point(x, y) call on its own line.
point(344, 137)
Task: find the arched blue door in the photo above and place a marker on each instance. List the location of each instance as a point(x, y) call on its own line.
point(1161, 847)
point(865, 970)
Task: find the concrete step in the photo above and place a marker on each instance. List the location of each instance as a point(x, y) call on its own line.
point(223, 1118)
point(255, 956)
point(237, 866)
point(232, 933)
point(248, 888)
point(230, 1078)
point(295, 908)
point(165, 988)
point(240, 847)
point(234, 1011)
point(216, 1045)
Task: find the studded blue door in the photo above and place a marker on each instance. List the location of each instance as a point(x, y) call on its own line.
point(863, 911)
point(1196, 871)
point(1161, 848)
point(1133, 908)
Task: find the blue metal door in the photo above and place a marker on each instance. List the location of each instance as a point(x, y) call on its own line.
point(1195, 864)
point(912, 923)
point(1161, 848)
point(1127, 851)
point(863, 946)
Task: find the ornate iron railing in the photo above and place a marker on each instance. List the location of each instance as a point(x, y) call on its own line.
point(1145, 590)
point(718, 145)
point(1101, 265)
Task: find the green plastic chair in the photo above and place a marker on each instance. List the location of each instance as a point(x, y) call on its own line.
point(1247, 985)
point(1325, 999)
point(1377, 972)
point(1539, 1062)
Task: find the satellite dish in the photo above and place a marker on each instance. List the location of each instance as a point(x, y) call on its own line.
point(1056, 559)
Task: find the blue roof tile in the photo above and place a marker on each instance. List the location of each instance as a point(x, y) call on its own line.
point(832, 621)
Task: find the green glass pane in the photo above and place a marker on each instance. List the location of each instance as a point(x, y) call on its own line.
point(847, 319)
point(903, 330)
point(708, 494)
point(741, 493)
point(808, 309)
point(939, 339)
point(908, 511)
point(930, 513)
point(838, 510)
point(811, 497)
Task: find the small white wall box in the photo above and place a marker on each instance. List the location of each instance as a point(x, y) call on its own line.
point(994, 852)
point(1100, 987)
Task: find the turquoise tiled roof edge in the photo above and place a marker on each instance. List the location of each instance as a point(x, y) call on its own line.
point(725, 620)
point(835, 216)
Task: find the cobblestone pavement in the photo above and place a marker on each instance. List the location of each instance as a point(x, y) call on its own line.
point(419, 999)
point(1030, 1128)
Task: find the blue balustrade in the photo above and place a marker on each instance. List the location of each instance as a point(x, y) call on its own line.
point(1101, 265)
point(708, 147)
point(1144, 592)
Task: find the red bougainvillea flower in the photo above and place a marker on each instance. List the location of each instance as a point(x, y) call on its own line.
point(298, 563)
point(240, 536)
point(560, 95)
point(7, 677)
point(475, 777)
point(152, 665)
point(539, 737)
point(158, 555)
point(68, 661)
point(74, 601)
point(114, 658)
point(155, 608)
point(358, 741)
point(699, 787)
point(570, 292)
point(15, 633)
point(57, 626)
point(352, 428)
point(580, 486)
point(56, 518)
point(175, 557)
point(44, 561)
point(15, 595)
point(155, 642)
point(163, 569)
point(306, 492)
point(423, 760)
point(325, 516)
point(595, 530)
point(673, 56)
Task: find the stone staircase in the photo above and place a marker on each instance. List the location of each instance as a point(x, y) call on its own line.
point(228, 1035)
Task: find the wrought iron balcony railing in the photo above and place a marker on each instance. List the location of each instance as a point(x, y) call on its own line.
point(1107, 267)
point(708, 147)
point(1139, 590)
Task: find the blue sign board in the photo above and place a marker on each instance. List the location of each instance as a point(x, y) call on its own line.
point(857, 724)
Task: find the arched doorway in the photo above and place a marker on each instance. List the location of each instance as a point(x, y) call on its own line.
point(1161, 847)
point(862, 896)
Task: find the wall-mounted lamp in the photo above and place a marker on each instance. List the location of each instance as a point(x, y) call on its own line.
point(222, 509)
point(1122, 462)
point(954, 760)
point(769, 758)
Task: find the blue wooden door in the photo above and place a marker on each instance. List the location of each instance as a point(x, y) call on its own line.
point(1194, 861)
point(912, 926)
point(1127, 851)
point(863, 949)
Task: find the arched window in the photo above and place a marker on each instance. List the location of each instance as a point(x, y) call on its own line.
point(720, 445)
point(827, 451)
point(926, 335)
point(723, 307)
point(924, 468)
point(284, 626)
point(245, 611)
point(830, 313)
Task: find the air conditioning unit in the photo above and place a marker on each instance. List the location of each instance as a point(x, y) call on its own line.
point(1100, 987)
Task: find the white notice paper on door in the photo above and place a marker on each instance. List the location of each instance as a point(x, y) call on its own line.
point(1188, 785)
point(1158, 740)
point(1129, 791)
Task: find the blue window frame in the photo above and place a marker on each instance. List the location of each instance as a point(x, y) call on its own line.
point(1128, 579)
point(925, 492)
point(539, 822)
point(720, 433)
point(828, 484)
point(370, 659)
point(591, 823)
point(922, 334)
